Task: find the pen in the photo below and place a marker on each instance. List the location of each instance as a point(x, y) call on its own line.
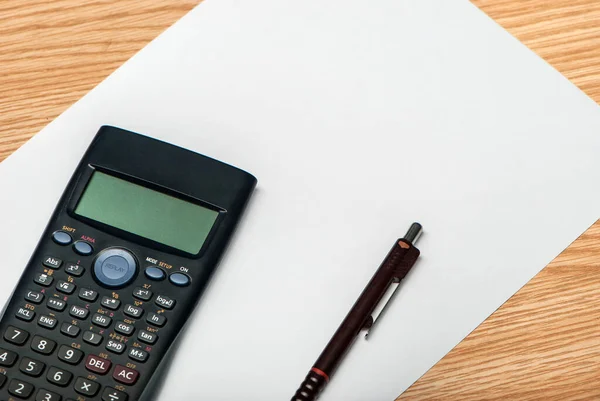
point(363, 314)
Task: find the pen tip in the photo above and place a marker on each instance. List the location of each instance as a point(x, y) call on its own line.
point(414, 232)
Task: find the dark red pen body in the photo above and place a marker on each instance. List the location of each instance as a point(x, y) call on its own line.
point(395, 266)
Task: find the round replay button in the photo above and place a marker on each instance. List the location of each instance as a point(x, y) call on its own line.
point(154, 273)
point(62, 238)
point(83, 248)
point(115, 267)
point(179, 279)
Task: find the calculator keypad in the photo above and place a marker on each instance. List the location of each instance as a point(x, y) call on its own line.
point(57, 300)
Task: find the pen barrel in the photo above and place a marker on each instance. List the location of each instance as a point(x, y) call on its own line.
point(311, 387)
point(402, 256)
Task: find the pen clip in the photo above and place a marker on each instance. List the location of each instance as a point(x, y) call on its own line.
point(381, 307)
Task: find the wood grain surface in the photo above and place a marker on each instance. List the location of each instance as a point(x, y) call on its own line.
point(543, 344)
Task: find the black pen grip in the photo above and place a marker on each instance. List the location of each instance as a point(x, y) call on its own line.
point(310, 388)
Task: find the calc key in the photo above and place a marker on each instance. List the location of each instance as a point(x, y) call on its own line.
point(2, 380)
point(15, 336)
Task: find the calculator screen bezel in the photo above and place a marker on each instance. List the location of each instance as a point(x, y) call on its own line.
point(83, 182)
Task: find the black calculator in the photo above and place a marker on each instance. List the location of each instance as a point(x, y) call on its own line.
point(119, 269)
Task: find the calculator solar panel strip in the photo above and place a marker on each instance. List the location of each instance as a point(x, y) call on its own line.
point(113, 280)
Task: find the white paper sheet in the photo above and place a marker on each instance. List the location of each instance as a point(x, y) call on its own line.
point(357, 118)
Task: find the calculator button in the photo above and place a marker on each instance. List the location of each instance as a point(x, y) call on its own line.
point(86, 387)
point(69, 330)
point(15, 336)
point(101, 320)
point(148, 338)
point(142, 294)
point(2, 380)
point(124, 328)
point(69, 355)
point(65, 287)
point(20, 389)
point(96, 364)
point(125, 375)
point(133, 311)
point(35, 297)
point(62, 238)
point(25, 314)
point(156, 319)
point(165, 302)
point(83, 248)
point(179, 279)
point(42, 345)
point(56, 304)
point(92, 338)
point(58, 376)
point(52, 262)
point(110, 303)
point(74, 270)
point(43, 279)
point(31, 367)
point(154, 273)
point(88, 295)
point(78, 312)
point(115, 346)
point(45, 395)
point(115, 267)
point(110, 394)
point(47, 322)
point(138, 355)
point(7, 358)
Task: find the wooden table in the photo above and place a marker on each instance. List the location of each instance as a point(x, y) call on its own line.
point(544, 343)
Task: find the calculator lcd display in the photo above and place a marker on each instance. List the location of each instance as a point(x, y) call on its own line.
point(150, 214)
